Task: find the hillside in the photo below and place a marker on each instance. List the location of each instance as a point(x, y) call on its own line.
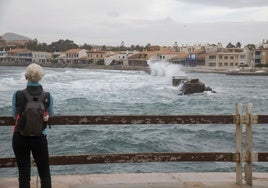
point(13, 36)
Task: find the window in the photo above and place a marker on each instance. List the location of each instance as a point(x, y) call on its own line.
point(212, 64)
point(257, 52)
point(212, 57)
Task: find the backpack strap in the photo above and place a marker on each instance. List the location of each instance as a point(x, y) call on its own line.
point(20, 102)
point(47, 104)
point(30, 97)
point(46, 100)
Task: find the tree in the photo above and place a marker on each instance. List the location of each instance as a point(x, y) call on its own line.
point(122, 46)
point(2, 42)
point(44, 47)
point(260, 65)
point(62, 45)
point(230, 45)
point(238, 45)
point(139, 48)
point(136, 47)
point(33, 45)
point(175, 46)
point(251, 46)
point(103, 48)
point(87, 46)
point(148, 46)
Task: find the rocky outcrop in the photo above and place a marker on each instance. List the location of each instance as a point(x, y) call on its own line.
point(193, 86)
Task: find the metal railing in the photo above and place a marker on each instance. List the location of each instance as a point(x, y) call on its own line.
point(240, 156)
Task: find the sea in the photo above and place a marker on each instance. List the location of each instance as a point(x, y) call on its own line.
point(118, 92)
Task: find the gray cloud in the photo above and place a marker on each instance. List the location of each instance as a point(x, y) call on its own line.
point(162, 22)
point(113, 14)
point(228, 3)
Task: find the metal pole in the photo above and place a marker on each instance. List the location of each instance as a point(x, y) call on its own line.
point(248, 166)
point(239, 143)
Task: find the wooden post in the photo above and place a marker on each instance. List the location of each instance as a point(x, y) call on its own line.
point(248, 165)
point(239, 143)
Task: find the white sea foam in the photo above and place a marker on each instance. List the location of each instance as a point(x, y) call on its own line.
point(165, 69)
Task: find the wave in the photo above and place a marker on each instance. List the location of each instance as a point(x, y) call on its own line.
point(165, 69)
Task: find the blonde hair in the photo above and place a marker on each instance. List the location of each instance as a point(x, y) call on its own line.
point(34, 72)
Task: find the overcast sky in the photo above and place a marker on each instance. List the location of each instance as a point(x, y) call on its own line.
point(158, 22)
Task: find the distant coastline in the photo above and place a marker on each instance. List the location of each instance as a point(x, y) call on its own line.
point(142, 68)
point(247, 73)
point(264, 72)
point(83, 66)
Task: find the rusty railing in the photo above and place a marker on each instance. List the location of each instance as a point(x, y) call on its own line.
point(239, 156)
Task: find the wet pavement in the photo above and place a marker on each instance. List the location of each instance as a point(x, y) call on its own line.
point(146, 180)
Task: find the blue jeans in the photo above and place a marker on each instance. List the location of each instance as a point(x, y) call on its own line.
point(23, 146)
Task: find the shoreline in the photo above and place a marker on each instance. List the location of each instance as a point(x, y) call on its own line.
point(227, 72)
point(84, 66)
point(141, 68)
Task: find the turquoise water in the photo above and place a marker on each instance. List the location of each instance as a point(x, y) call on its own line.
point(105, 92)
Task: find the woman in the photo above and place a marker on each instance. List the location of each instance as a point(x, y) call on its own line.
point(26, 142)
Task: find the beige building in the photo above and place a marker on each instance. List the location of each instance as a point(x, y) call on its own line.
point(230, 58)
point(164, 55)
point(119, 58)
point(96, 57)
point(75, 56)
point(40, 57)
point(260, 56)
point(116, 59)
point(138, 59)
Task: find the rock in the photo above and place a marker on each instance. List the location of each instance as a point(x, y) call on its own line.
point(193, 86)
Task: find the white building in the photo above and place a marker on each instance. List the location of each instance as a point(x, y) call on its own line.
point(3, 55)
point(40, 57)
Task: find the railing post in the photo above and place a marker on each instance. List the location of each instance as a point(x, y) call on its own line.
point(239, 143)
point(249, 155)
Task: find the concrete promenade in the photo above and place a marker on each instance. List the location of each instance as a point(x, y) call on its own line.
point(146, 180)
